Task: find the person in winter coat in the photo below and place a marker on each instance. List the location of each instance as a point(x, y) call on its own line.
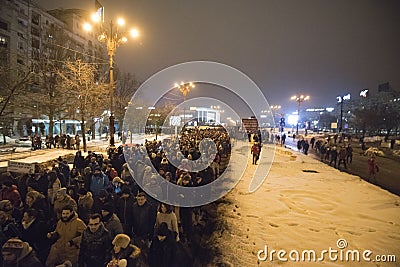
point(98, 181)
point(68, 234)
point(95, 244)
point(8, 227)
point(124, 210)
point(124, 254)
point(79, 162)
point(144, 217)
point(166, 215)
point(255, 150)
point(373, 168)
point(162, 249)
point(85, 204)
point(34, 231)
point(342, 157)
point(62, 200)
point(37, 201)
point(110, 172)
point(110, 220)
point(153, 188)
point(10, 192)
point(148, 173)
point(54, 186)
point(333, 154)
point(6, 206)
point(17, 253)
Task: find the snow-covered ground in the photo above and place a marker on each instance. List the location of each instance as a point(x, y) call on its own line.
point(322, 210)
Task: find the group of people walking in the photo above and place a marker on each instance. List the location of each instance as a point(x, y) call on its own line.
point(59, 141)
point(97, 213)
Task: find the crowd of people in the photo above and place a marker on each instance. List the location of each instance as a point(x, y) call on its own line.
point(338, 151)
point(59, 141)
point(97, 213)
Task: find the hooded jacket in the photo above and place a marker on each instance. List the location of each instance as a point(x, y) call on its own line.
point(27, 258)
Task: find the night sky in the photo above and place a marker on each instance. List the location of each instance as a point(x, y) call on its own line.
point(320, 48)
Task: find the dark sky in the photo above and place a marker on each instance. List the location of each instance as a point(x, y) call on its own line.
point(317, 47)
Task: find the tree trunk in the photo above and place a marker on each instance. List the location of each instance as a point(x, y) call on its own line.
point(93, 128)
point(83, 133)
point(4, 135)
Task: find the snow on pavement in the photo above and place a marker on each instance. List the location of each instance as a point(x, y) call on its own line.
point(296, 210)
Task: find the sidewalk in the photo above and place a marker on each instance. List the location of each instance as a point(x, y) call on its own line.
point(43, 155)
point(306, 205)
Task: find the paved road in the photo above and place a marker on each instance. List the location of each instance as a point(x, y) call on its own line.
point(388, 177)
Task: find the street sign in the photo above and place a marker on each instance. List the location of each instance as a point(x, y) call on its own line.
point(251, 125)
point(282, 122)
point(20, 167)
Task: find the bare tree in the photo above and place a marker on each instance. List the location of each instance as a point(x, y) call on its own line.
point(86, 95)
point(125, 88)
point(51, 98)
point(12, 83)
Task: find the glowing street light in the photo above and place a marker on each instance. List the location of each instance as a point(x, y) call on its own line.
point(113, 36)
point(184, 87)
point(299, 99)
point(341, 99)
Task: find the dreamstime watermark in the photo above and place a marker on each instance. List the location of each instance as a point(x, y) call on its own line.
point(334, 254)
point(142, 109)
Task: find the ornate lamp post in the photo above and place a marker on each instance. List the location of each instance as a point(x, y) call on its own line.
point(299, 99)
point(113, 36)
point(184, 88)
point(340, 100)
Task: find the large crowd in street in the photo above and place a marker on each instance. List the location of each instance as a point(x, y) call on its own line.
point(97, 213)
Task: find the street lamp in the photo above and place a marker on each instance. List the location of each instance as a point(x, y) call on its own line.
point(340, 100)
point(275, 112)
point(299, 99)
point(113, 36)
point(184, 88)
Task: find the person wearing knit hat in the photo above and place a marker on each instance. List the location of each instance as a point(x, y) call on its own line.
point(98, 181)
point(18, 253)
point(110, 220)
point(10, 191)
point(124, 253)
point(85, 204)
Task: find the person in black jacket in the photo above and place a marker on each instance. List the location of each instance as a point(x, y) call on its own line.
point(34, 232)
point(144, 217)
point(79, 162)
point(162, 249)
point(96, 244)
point(124, 210)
